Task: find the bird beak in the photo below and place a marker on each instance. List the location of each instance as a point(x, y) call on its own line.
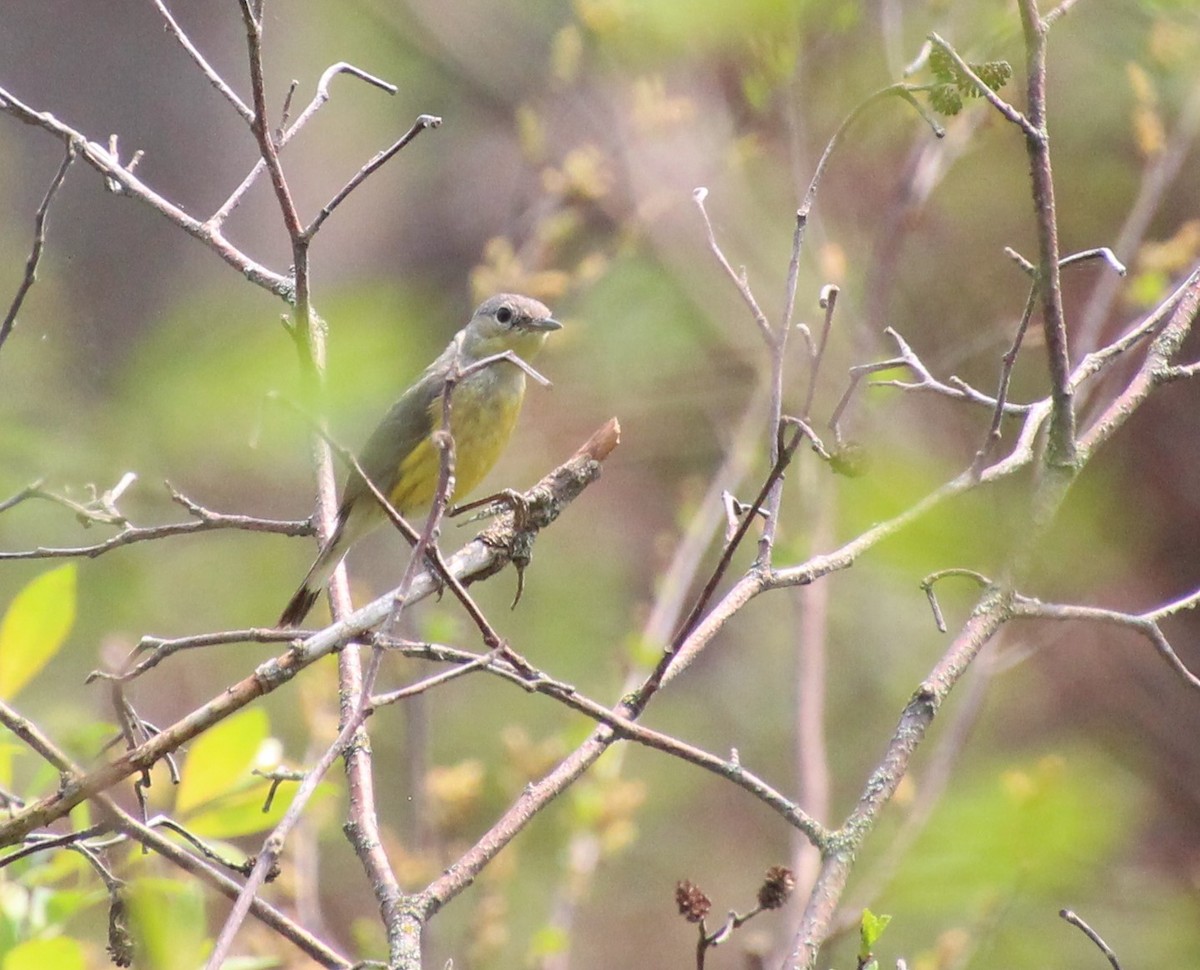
point(543, 325)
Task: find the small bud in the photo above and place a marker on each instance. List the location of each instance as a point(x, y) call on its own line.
point(693, 904)
point(777, 886)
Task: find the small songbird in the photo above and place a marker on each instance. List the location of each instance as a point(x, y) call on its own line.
point(400, 457)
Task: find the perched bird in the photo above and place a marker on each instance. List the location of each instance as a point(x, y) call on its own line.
point(400, 457)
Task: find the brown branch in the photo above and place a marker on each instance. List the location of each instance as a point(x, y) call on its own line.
point(39, 242)
point(205, 520)
point(1060, 451)
point(1145, 624)
point(206, 69)
point(1007, 362)
point(1154, 370)
point(1060, 444)
point(918, 715)
point(422, 123)
point(123, 822)
point(1079, 924)
point(739, 279)
point(480, 558)
point(319, 100)
point(108, 165)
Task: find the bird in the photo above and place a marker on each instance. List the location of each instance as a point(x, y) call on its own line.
point(400, 458)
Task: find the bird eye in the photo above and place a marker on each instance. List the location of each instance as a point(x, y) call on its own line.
point(504, 315)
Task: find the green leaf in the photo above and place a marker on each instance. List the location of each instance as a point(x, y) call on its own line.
point(870, 929)
point(166, 917)
point(942, 67)
point(35, 627)
point(241, 812)
point(219, 761)
point(946, 97)
point(58, 952)
point(995, 74)
point(945, 100)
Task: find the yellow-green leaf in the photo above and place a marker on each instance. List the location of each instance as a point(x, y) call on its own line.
point(35, 627)
point(219, 761)
point(166, 917)
point(241, 812)
point(59, 952)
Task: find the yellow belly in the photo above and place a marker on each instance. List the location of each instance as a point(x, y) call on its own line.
point(483, 413)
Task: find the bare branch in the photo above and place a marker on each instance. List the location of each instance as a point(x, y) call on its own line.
point(1060, 443)
point(110, 167)
point(928, 582)
point(918, 714)
point(1144, 623)
point(1063, 8)
point(209, 72)
point(123, 822)
point(1069, 915)
point(160, 649)
point(1102, 252)
point(828, 302)
point(422, 123)
point(953, 387)
point(739, 279)
point(205, 520)
point(693, 617)
point(39, 242)
point(1007, 362)
point(319, 100)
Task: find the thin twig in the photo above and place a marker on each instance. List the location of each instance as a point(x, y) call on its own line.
point(828, 302)
point(205, 520)
point(777, 348)
point(123, 822)
point(160, 649)
point(1007, 362)
point(109, 166)
point(928, 582)
point(693, 617)
point(422, 123)
point(1145, 623)
point(39, 242)
point(739, 279)
point(1063, 8)
point(319, 100)
point(209, 72)
point(1090, 933)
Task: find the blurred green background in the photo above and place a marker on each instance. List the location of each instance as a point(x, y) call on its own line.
point(574, 135)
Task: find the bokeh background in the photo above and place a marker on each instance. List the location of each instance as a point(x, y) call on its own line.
point(574, 135)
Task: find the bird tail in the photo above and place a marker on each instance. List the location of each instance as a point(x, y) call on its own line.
point(326, 562)
point(299, 605)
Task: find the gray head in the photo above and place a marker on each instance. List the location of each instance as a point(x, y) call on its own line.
point(508, 321)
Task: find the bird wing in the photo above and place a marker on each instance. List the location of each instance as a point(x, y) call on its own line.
point(406, 425)
point(402, 431)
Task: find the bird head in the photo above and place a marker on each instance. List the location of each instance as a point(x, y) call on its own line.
point(508, 321)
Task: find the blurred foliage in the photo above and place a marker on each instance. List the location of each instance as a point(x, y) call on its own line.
point(575, 133)
point(34, 627)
